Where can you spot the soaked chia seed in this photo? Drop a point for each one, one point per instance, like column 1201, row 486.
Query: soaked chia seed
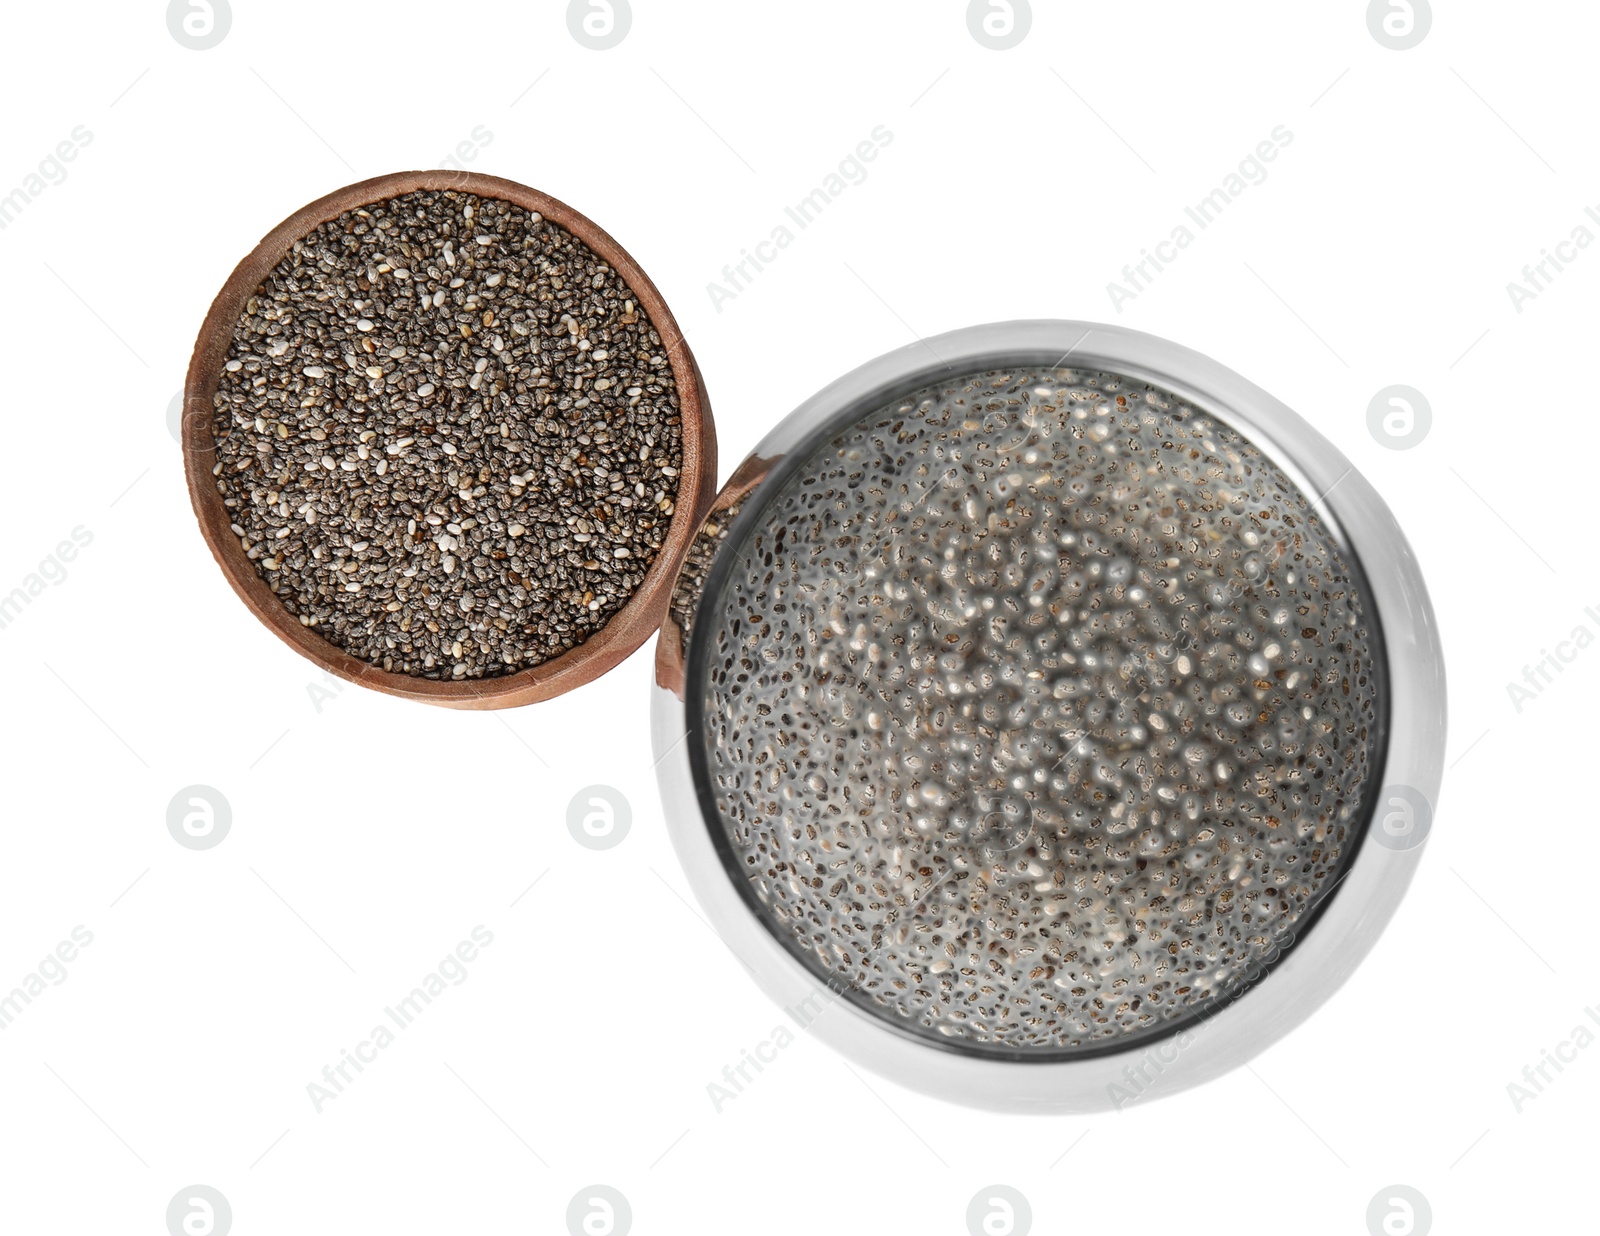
column 1038, row 711
column 448, row 436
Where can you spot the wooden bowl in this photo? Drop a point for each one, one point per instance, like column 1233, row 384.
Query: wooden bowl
column 627, row 629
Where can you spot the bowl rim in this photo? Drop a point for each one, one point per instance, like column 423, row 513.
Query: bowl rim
column 1345, row 926
column 640, row 615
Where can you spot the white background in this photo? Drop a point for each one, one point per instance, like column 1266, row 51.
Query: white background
column 371, row 836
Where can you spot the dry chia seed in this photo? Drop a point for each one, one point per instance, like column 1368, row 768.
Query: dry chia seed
column 448, row 436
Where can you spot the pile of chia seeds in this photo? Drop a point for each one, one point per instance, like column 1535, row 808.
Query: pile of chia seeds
column 448, row 436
